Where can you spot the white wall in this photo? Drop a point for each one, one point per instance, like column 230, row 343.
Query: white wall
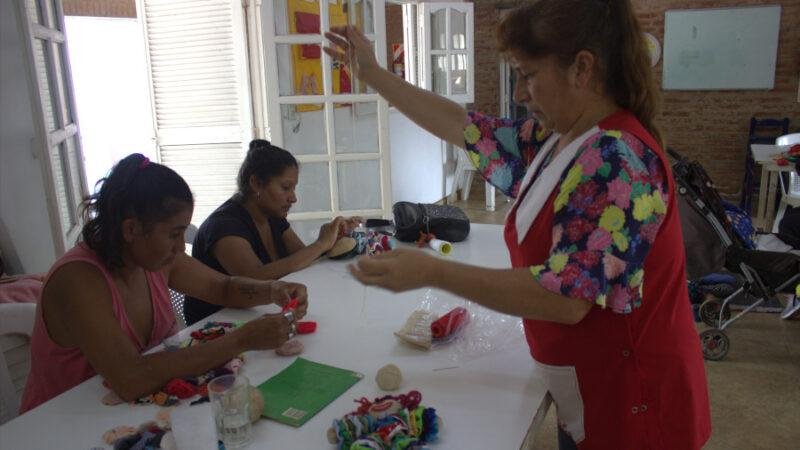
column 422, row 167
column 23, row 208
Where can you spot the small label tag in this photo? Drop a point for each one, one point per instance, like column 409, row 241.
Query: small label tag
column 294, row 413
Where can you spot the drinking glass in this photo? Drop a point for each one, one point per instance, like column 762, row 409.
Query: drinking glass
column 230, row 400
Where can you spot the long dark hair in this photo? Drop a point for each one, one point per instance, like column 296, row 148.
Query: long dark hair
column 265, row 161
column 135, row 188
column 608, row 29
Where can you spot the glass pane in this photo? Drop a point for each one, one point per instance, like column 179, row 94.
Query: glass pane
column 356, row 127
column 304, row 129
column 41, row 55
column 308, row 230
column 299, row 69
column 439, row 74
column 458, row 74
column 62, row 188
column 439, row 30
column 60, row 69
column 313, row 189
column 296, row 17
column 345, row 83
column 75, row 164
column 339, row 13
column 359, row 185
column 458, row 29
column 360, row 13
column 34, row 11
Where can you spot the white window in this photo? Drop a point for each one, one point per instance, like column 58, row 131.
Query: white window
column 196, row 53
column 445, row 58
column 333, row 123
column 58, row 140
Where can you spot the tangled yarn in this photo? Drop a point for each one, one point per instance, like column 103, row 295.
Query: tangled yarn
column 388, row 423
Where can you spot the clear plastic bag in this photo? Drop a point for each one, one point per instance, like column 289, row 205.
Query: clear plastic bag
column 458, row 328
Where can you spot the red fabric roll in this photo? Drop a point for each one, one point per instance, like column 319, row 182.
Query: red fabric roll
column 306, row 327
column 450, row 323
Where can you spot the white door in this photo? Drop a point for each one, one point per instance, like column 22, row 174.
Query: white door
column 447, row 55
column 55, row 115
column 334, row 125
column 197, row 56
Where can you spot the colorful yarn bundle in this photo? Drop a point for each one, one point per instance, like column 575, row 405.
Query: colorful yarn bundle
column 388, row 423
column 184, row 388
column 378, row 242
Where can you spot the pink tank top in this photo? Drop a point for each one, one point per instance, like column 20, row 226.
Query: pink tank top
column 55, row 369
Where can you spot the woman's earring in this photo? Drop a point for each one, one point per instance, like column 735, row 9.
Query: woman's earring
column 258, row 194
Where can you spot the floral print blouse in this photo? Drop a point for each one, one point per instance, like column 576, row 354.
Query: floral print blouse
column 610, row 203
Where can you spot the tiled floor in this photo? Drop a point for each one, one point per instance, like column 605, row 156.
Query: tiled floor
column 755, row 390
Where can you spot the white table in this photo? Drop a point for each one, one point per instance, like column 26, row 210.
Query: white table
column 485, row 402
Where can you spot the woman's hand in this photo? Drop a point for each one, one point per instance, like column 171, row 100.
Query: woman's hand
column 266, row 332
column 329, row 233
column 351, row 47
column 397, row 270
column 282, row 292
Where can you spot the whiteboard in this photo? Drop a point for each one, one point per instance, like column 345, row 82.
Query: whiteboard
column 721, row 48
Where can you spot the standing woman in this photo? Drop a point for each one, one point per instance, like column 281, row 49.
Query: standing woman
column 249, row 235
column 106, row 301
column 594, row 235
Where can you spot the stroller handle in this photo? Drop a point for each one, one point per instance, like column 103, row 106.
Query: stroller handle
column 675, row 154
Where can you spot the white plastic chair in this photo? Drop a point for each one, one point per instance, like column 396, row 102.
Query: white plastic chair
column 463, row 179
column 16, row 327
column 791, row 193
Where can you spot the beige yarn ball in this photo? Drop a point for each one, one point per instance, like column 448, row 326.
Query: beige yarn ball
column 256, row 404
column 389, row 377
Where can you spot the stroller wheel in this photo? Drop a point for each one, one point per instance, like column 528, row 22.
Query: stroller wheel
column 715, row 344
column 710, row 312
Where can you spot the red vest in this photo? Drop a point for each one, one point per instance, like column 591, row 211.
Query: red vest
column 640, row 376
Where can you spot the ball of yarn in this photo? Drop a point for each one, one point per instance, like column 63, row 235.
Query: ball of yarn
column 256, row 404
column 290, row 348
column 389, row 377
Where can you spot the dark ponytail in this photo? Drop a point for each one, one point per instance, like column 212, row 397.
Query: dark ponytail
column 135, row 188
column 264, row 161
column 608, row 29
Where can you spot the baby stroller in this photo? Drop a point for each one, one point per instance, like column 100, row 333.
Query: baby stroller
column 712, row 244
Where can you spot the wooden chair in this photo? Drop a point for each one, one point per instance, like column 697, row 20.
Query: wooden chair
column 16, row 327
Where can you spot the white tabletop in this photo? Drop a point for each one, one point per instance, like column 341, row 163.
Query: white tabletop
column 486, row 399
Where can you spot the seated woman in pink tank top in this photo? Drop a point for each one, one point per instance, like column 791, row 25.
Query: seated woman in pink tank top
column 106, row 301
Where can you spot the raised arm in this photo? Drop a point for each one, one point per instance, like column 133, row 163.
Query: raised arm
column 438, row 115
column 78, row 313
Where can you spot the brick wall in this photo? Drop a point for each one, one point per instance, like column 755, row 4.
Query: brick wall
column 710, row 126
column 100, row 8
column 394, row 29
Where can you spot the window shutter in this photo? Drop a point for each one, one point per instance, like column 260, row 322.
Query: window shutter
column 196, row 51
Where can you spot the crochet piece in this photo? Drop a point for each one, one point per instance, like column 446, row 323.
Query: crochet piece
column 417, row 329
column 388, row 423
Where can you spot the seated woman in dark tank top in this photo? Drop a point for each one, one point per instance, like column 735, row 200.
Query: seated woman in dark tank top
column 249, row 235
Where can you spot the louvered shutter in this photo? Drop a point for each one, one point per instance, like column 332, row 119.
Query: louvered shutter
column 196, row 52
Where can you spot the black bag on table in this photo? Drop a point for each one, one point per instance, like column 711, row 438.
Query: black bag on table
column 447, row 222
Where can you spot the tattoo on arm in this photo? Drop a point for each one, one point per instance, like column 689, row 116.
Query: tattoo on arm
column 248, row 290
